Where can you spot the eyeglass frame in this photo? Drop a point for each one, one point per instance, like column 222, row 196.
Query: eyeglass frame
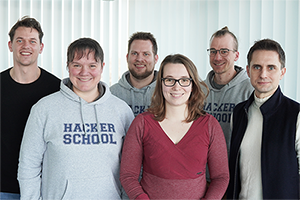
column 222, row 49
column 177, row 80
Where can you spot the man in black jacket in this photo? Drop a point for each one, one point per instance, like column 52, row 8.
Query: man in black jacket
column 265, row 143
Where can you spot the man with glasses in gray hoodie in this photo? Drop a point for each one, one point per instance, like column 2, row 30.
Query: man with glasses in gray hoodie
column 136, row 85
column 228, row 83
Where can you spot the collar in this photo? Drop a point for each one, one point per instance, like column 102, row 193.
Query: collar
column 270, row 105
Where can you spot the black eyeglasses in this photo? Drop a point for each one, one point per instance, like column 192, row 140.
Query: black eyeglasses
column 184, row 82
column 223, row 52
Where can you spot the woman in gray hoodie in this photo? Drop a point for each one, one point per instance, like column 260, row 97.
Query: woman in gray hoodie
column 73, row 138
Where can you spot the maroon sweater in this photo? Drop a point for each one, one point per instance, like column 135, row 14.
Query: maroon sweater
column 174, row 171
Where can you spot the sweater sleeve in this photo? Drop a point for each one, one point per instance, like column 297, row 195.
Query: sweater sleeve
column 131, row 161
column 31, row 156
column 217, row 161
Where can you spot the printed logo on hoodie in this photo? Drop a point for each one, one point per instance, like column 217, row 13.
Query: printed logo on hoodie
column 221, row 112
column 138, row 109
column 76, row 133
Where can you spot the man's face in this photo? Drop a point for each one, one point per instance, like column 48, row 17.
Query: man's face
column 26, row 46
column 221, row 64
column 265, row 72
column 140, row 59
column 85, row 74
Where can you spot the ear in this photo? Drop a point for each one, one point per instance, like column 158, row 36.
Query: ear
column 10, row 46
column 237, row 55
column 41, row 48
column 282, row 71
column 156, row 58
column 127, row 57
column 248, row 71
column 68, row 67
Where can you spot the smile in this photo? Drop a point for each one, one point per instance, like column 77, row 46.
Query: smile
column 176, row 95
column 219, row 64
column 139, row 65
column 84, row 79
column 25, row 53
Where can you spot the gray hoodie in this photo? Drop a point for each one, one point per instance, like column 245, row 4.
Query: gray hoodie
column 221, row 102
column 71, row 148
column 138, row 99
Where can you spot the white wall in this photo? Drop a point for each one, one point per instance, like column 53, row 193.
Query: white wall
column 180, row 26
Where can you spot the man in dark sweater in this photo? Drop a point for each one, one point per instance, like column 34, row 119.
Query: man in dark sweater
column 21, row 86
column 265, row 144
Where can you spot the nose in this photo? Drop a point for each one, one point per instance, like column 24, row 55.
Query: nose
column 263, row 73
column 26, row 43
column 139, row 57
column 176, row 86
column 218, row 56
column 84, row 70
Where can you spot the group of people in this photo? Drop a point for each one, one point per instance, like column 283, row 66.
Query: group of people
column 162, row 134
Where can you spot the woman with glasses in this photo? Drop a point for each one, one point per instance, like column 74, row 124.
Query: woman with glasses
column 175, row 140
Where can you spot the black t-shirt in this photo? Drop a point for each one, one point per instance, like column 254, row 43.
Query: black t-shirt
column 16, row 102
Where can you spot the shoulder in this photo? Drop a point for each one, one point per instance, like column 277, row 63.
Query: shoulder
column 240, row 106
column 117, row 101
column 144, row 117
column 5, row 76
column 120, row 107
column 291, row 103
column 49, row 103
column 141, row 120
column 239, row 110
column 152, row 85
column 5, row 72
column 208, row 78
column 114, row 87
column 211, row 120
column 246, row 83
column 122, row 83
column 209, row 75
column 48, row 82
column 51, row 99
column 47, row 75
column 119, row 88
column 206, row 120
column 209, row 124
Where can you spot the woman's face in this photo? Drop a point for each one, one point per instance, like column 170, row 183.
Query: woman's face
column 85, row 74
column 176, row 95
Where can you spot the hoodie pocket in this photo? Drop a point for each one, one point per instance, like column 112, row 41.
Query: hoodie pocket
column 91, row 188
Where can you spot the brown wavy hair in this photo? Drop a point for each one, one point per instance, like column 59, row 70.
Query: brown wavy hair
column 196, row 99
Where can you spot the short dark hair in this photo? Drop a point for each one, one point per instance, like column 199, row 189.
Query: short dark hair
column 269, row 45
column 29, row 23
column 223, row 32
column 197, row 97
column 143, row 36
column 79, row 48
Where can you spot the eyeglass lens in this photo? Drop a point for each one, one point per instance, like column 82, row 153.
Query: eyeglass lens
column 182, row 82
column 223, row 52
